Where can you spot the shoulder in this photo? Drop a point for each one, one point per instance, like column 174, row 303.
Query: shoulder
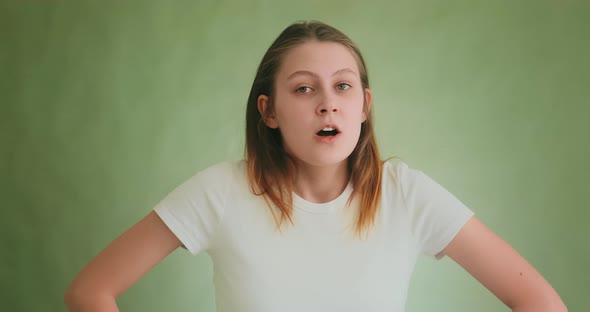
column 195, row 208
column 222, row 171
column 435, row 215
column 397, row 172
column 411, row 181
column 402, row 181
column 414, row 185
column 215, row 178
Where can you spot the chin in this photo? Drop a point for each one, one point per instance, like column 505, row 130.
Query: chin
column 323, row 160
column 321, row 157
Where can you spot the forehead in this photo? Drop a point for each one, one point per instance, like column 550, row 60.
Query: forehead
column 322, row 58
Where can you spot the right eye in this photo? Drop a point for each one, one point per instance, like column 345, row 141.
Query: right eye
column 303, row 90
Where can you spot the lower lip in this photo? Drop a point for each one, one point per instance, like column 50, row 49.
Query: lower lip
column 328, row 138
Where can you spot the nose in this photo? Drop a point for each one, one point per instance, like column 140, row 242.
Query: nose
column 327, row 104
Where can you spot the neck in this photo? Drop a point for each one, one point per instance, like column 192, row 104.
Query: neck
column 320, row 184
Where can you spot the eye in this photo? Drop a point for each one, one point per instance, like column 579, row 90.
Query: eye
column 303, row 90
column 343, row 86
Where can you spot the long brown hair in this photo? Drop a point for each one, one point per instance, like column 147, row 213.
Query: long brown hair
column 269, row 166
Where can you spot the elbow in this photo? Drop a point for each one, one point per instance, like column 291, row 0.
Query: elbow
column 561, row 307
column 77, row 299
column 73, row 298
column 69, row 297
column 540, row 299
column 556, row 305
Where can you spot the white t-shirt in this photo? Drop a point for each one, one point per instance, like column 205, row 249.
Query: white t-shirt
column 317, row 264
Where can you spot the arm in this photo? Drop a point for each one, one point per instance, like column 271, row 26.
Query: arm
column 502, row 270
column 120, row 265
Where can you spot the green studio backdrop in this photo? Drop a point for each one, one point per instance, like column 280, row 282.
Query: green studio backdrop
column 109, row 105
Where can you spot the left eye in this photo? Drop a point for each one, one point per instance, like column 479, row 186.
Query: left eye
column 343, row 86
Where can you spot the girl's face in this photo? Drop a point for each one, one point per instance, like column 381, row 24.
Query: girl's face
column 318, row 103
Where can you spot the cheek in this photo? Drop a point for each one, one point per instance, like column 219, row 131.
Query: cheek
column 356, row 105
column 293, row 114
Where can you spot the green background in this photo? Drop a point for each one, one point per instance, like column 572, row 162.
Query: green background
column 106, row 106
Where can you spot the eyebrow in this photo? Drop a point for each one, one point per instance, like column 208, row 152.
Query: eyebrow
column 308, row 73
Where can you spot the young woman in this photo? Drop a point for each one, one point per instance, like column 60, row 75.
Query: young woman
column 312, row 219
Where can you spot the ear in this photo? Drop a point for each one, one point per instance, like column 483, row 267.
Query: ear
column 269, row 120
column 368, row 101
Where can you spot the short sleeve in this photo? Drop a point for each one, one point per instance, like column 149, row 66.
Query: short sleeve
column 193, row 210
column 436, row 215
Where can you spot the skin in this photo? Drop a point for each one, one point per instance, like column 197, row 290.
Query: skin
column 305, row 102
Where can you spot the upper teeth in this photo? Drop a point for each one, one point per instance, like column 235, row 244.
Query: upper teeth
column 328, row 129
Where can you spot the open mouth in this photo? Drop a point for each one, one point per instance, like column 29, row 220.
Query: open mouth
column 328, row 131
